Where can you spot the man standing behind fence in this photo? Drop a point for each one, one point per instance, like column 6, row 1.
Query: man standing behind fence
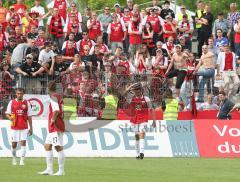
column 19, row 112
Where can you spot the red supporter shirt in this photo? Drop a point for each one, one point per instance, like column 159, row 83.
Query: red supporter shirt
column 22, row 110
column 56, row 104
column 155, row 22
column 116, row 31
column 168, row 27
column 20, row 9
column 228, row 61
column 134, row 38
column 83, row 43
column 95, row 30
column 126, row 20
column 62, row 7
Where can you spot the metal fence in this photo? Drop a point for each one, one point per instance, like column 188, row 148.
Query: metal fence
column 89, row 92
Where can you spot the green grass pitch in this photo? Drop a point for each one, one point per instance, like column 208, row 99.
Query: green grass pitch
column 126, row 170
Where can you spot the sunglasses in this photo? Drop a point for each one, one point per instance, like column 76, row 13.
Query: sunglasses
column 86, row 49
column 107, row 9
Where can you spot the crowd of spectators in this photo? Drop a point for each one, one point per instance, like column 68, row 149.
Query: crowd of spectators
column 89, row 52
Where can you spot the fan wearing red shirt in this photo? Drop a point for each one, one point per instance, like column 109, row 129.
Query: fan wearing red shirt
column 169, row 29
column 20, row 8
column 61, row 5
column 19, row 112
column 126, row 19
column 56, row 130
column 156, row 22
column 135, row 35
column 95, row 27
column 116, row 33
column 139, row 107
column 54, row 28
column 85, row 41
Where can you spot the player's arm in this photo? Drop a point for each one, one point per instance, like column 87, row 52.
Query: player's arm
column 9, row 111
column 30, row 132
column 29, row 119
column 56, row 109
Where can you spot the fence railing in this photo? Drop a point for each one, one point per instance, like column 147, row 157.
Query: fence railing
column 89, row 91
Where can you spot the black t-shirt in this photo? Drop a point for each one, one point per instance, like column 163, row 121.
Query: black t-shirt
column 32, row 35
column 9, row 49
column 30, row 68
column 58, row 68
column 209, row 17
column 224, row 110
column 99, row 61
column 88, row 60
column 166, row 12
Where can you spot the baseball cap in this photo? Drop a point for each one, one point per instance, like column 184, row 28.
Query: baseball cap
column 178, row 45
column 116, row 4
column 29, row 56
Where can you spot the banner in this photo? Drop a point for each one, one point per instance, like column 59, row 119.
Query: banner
column 218, row 138
column 39, row 105
column 115, row 139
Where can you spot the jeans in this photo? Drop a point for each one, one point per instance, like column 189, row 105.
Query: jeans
column 58, row 40
column 186, row 92
column 115, row 45
column 231, row 77
column 206, row 74
column 133, row 49
column 237, row 49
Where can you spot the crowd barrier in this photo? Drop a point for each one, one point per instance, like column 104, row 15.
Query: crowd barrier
column 186, row 138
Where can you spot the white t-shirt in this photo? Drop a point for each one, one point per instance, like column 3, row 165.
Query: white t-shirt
column 45, row 57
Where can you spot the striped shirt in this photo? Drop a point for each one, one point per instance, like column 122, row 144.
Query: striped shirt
column 233, row 17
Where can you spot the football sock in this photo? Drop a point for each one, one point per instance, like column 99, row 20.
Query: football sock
column 61, row 159
column 137, row 147
column 23, row 151
column 141, row 143
column 49, row 160
column 14, row 152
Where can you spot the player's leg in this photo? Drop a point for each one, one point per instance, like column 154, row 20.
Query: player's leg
column 141, row 144
column 49, row 155
column 15, row 139
column 61, row 159
column 14, row 151
column 49, row 160
column 23, row 138
column 58, row 143
column 137, row 146
column 23, row 152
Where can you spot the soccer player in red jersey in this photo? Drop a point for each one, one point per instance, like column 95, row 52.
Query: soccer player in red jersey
column 139, row 106
column 56, row 129
column 19, row 112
